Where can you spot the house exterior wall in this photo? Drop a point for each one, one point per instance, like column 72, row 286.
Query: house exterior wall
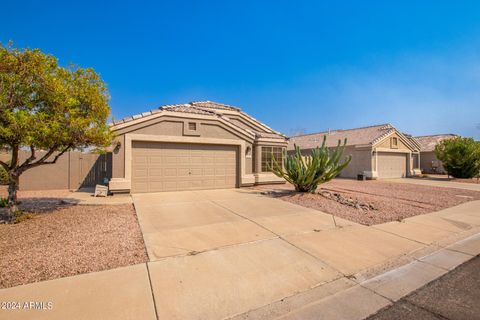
column 428, row 160
column 73, row 170
column 249, row 158
column 173, row 129
column 118, row 157
column 361, row 160
column 165, row 126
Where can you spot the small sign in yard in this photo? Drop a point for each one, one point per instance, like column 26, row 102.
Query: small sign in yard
column 101, row 191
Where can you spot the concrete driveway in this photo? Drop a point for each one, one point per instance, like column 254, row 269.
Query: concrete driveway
column 218, row 253
column 189, row 222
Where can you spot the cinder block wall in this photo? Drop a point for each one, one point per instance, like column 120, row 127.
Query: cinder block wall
column 72, row 171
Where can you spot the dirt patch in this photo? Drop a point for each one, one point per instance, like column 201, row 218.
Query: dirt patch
column 64, row 240
column 388, row 201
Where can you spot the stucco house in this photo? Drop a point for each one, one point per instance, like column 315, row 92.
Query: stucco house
column 379, row 151
column 428, row 160
column 198, row 145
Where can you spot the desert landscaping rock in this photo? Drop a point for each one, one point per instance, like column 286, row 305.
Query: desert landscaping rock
column 391, row 201
column 69, row 240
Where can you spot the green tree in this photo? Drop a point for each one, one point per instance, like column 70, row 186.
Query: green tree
column 460, row 157
column 306, row 173
column 49, row 108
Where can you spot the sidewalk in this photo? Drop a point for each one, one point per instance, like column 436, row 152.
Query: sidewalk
column 344, row 271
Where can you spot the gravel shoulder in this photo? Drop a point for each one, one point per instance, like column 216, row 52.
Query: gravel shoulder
column 390, row 201
column 64, row 240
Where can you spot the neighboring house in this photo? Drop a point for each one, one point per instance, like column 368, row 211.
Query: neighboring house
column 199, row 145
column 379, row 151
column 428, row 160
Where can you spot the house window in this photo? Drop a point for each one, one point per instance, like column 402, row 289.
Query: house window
column 268, row 153
column 192, row 126
column 394, row 143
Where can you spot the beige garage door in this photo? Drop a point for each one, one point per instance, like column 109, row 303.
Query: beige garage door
column 171, row 167
column 392, row 165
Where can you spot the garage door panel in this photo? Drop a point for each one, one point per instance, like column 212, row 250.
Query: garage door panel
column 155, row 172
column 209, row 171
column 196, row 160
column 208, row 160
column 140, row 186
column 183, row 173
column 174, row 160
column 230, row 172
column 196, row 172
column 155, row 160
column 167, row 186
column 392, row 165
column 170, row 167
column 141, row 173
column 140, row 159
column 156, row 184
column 219, row 171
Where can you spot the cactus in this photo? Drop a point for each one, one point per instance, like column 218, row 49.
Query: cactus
column 306, row 173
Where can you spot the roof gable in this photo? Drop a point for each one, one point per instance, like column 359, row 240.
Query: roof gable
column 406, row 140
column 204, row 108
column 230, row 111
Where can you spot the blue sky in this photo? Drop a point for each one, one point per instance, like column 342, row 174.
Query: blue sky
column 296, row 65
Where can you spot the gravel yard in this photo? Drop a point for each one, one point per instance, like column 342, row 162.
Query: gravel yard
column 441, row 177
column 390, row 201
column 64, row 239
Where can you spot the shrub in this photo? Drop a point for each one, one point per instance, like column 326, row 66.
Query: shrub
column 3, row 176
column 460, row 157
column 306, row 173
column 21, row 216
column 3, row 202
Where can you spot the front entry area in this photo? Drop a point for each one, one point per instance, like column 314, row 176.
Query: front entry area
column 158, row 166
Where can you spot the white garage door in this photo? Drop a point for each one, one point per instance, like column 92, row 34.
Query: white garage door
column 176, row 166
column 392, row 165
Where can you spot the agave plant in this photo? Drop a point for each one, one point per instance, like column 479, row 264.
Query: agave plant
column 307, row 172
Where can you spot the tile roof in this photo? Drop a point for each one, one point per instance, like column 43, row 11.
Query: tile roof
column 356, row 136
column 213, row 105
column 186, row 108
column 268, row 135
column 428, row 143
column 209, row 108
